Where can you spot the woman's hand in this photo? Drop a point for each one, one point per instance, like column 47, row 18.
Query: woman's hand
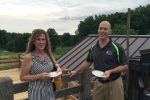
column 44, row 76
column 58, row 68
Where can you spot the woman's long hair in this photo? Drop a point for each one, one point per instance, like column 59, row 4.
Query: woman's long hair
column 35, row 34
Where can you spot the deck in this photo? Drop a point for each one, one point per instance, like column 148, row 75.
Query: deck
column 14, row 75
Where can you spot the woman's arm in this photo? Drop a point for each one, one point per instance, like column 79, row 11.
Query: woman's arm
column 25, row 68
column 55, row 63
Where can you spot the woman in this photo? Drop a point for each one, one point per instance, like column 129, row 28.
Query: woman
column 38, row 62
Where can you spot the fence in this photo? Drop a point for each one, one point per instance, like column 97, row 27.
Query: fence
column 8, row 89
column 8, row 62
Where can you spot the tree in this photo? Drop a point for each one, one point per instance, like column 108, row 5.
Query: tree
column 66, row 39
column 21, row 42
column 53, row 38
column 3, row 39
column 122, row 30
column 140, row 19
column 75, row 39
column 140, row 22
column 86, row 27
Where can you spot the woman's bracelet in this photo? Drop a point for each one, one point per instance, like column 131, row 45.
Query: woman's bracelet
column 31, row 78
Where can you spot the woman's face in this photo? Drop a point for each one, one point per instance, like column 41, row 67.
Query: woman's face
column 40, row 42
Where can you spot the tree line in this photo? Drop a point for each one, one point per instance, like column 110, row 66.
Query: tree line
column 140, row 25
column 17, row 42
column 140, row 22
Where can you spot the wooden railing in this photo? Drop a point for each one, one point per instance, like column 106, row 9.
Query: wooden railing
column 8, row 62
column 8, row 89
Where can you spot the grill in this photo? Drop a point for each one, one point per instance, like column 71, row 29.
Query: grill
column 139, row 73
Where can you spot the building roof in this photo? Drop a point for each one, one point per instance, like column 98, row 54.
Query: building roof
column 76, row 55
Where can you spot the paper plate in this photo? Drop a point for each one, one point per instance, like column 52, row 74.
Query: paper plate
column 54, row 74
column 98, row 73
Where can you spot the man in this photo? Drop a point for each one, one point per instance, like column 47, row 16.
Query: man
column 109, row 60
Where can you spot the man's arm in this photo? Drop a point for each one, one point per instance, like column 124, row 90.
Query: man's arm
column 119, row 69
column 82, row 67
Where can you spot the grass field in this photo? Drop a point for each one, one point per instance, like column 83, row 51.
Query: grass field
column 59, row 52
column 5, row 53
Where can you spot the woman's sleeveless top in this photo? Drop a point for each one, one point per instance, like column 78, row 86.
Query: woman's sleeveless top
column 41, row 89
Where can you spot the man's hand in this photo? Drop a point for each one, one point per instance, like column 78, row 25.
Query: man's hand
column 107, row 74
column 73, row 73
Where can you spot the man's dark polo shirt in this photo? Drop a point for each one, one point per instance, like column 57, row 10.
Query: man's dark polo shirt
column 106, row 58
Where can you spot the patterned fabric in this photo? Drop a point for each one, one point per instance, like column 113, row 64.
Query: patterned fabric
column 41, row 89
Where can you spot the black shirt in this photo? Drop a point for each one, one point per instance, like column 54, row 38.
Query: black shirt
column 106, row 58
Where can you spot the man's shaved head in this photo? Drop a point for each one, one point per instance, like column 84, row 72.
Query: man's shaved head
column 106, row 23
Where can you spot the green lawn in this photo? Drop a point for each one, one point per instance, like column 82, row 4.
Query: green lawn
column 4, row 53
column 59, row 52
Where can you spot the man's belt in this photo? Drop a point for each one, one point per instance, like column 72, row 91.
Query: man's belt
column 108, row 80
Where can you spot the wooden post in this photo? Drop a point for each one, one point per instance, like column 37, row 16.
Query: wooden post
column 86, row 87
column 6, row 88
column 127, row 51
column 128, row 32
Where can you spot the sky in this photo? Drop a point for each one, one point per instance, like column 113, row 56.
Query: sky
column 62, row 15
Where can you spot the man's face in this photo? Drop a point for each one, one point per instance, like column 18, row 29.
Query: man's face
column 104, row 30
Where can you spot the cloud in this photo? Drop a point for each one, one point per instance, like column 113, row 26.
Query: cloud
column 73, row 18
column 62, row 15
